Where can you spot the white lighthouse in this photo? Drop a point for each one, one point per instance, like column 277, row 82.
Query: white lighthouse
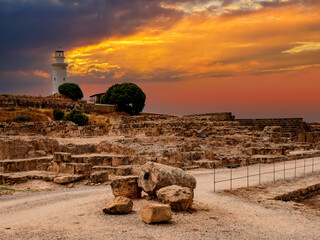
column 59, row 71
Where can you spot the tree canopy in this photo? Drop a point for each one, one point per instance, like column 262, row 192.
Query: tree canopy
column 71, row 90
column 127, row 96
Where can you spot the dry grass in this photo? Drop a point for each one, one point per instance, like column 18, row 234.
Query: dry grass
column 36, row 115
column 99, row 120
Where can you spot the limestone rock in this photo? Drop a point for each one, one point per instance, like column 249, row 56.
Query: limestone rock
column 202, row 133
column 99, row 177
column 179, row 198
column 156, row 213
column 154, row 176
column 126, row 187
column 62, row 157
column 154, row 132
column 121, row 205
column 66, row 179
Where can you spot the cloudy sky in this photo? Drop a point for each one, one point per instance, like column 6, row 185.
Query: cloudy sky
column 255, row 58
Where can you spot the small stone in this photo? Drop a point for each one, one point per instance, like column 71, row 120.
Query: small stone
column 156, row 213
column 121, row 205
column 202, row 133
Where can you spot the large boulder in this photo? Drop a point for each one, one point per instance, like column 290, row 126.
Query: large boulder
column 179, row 198
column 126, row 187
column 154, row 176
column 156, row 213
column 121, row 205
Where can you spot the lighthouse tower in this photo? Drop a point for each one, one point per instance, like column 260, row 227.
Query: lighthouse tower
column 59, row 71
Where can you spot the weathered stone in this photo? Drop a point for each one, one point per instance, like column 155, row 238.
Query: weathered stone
column 154, row 176
column 38, row 153
column 120, row 160
column 154, row 132
column 156, row 213
column 98, row 177
column 126, row 187
column 62, row 157
column 179, row 198
column 121, row 205
column 202, row 133
column 66, row 179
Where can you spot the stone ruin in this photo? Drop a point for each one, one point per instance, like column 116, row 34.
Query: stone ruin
column 171, row 186
column 63, row 152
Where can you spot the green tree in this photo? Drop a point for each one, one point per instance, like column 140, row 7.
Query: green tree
column 127, row 96
column 71, row 90
column 57, row 114
column 77, row 117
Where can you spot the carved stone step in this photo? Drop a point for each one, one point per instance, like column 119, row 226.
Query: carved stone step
column 123, row 170
column 29, row 164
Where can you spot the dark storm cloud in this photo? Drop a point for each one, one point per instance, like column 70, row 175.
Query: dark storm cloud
column 31, row 30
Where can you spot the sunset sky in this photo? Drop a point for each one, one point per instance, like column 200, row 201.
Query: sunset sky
column 255, row 58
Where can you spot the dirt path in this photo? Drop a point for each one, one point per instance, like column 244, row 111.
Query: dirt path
column 76, row 214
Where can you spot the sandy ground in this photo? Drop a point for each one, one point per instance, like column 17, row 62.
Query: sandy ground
column 76, row 213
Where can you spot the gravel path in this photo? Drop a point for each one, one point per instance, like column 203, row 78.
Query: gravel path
column 77, row 214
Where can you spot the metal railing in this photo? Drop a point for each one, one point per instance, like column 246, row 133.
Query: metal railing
column 256, row 169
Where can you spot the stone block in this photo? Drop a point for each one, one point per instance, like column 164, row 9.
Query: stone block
column 121, row 205
column 62, row 157
column 179, row 198
column 99, row 177
column 126, row 187
column 156, row 213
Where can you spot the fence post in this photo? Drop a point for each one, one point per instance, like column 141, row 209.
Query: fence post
column 214, row 177
column 259, row 172
column 231, row 177
column 247, row 174
column 274, row 169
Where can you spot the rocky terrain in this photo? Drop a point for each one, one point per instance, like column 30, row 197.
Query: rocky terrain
column 145, row 160
column 33, row 150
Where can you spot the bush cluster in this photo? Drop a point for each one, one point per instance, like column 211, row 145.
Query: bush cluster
column 77, row 117
column 71, row 90
column 23, row 118
column 127, row 96
column 58, row 114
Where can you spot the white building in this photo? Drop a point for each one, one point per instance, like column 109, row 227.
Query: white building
column 59, row 71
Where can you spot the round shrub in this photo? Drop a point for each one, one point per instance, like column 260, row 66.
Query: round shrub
column 77, row 117
column 127, row 96
column 57, row 114
column 23, row 118
column 71, row 90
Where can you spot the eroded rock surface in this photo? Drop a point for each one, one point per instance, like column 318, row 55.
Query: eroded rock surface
column 154, row 176
column 179, row 198
column 99, row 177
column 126, row 187
column 156, row 213
column 121, row 205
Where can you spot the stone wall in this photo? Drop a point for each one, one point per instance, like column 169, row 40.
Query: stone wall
column 300, row 194
column 10, row 101
column 225, row 116
column 287, row 124
column 50, row 128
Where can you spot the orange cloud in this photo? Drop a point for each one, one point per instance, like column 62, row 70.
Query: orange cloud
column 204, row 45
column 41, row 74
